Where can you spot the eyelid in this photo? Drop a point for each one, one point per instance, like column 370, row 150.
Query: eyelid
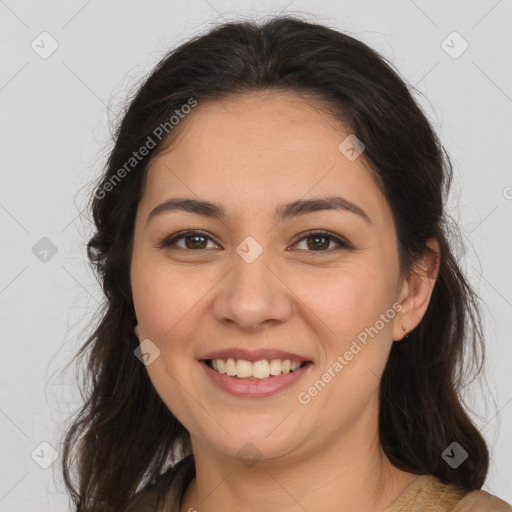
column 341, row 242
column 167, row 242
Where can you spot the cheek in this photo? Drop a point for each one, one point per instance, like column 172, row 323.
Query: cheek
column 153, row 303
column 356, row 343
column 164, row 299
column 356, row 339
column 164, row 304
column 347, row 300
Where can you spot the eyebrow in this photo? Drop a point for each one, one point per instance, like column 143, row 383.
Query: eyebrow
column 282, row 212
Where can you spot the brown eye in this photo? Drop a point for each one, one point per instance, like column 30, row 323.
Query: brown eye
column 194, row 240
column 319, row 241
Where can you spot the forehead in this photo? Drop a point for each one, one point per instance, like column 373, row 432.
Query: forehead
column 261, row 148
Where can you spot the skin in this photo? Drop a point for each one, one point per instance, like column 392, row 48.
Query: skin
column 250, row 153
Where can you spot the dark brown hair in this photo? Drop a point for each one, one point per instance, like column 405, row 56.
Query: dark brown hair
column 124, row 435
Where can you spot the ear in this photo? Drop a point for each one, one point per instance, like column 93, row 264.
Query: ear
column 136, row 330
column 416, row 291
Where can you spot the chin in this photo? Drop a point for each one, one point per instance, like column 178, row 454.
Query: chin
column 253, row 440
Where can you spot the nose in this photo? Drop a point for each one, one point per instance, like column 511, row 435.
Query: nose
column 253, row 294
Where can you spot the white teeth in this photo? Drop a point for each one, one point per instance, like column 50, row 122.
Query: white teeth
column 262, row 369
column 275, row 367
column 295, row 366
column 230, row 367
column 243, row 368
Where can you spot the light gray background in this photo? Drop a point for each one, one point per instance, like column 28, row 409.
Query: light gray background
column 55, row 138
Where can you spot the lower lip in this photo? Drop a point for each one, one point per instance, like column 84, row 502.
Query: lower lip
column 254, row 388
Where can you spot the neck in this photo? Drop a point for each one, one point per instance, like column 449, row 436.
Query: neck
column 351, row 473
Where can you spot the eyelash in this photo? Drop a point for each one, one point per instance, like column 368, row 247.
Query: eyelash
column 168, row 242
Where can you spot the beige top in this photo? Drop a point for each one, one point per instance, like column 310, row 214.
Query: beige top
column 425, row 494
column 428, row 494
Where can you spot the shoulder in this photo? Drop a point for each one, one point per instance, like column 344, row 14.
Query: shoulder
column 429, row 494
column 169, row 486
column 482, row 501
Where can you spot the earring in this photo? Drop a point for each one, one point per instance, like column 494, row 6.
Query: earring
column 404, row 328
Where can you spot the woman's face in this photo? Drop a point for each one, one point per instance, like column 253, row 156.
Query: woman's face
column 255, row 282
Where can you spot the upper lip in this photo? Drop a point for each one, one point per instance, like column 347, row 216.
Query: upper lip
column 254, row 355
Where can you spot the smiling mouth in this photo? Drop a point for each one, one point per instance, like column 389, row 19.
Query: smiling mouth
column 257, row 370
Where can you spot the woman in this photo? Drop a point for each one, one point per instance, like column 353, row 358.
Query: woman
column 285, row 319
